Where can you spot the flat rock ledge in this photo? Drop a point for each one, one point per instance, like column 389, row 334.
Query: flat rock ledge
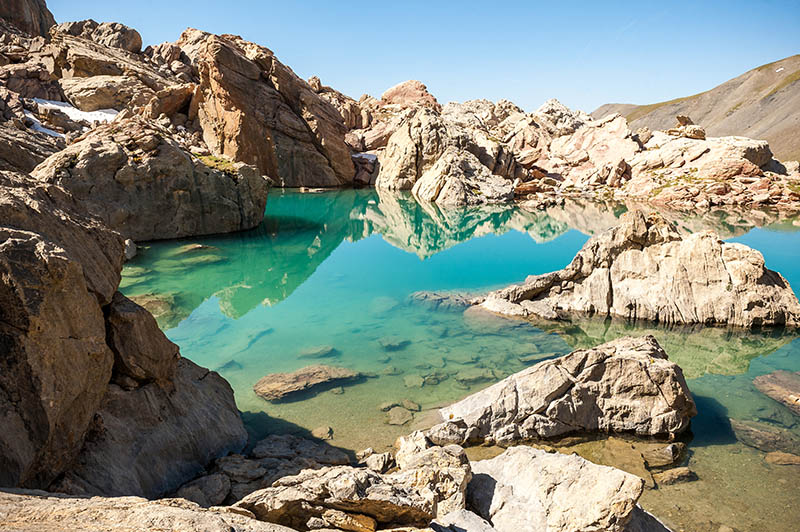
column 644, row 269
column 626, row 385
column 278, row 385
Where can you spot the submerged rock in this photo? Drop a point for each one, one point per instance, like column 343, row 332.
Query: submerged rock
column 782, row 386
column 279, row 385
column 765, row 437
column 675, row 476
column 529, row 489
column 643, row 269
column 626, row 385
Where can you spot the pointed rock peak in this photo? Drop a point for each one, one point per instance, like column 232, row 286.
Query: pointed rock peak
column 409, row 94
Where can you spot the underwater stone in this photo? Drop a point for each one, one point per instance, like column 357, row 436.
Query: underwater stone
column 278, row 385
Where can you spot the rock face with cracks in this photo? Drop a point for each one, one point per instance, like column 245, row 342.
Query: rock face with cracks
column 644, row 269
column 626, row 385
column 529, row 489
column 137, row 179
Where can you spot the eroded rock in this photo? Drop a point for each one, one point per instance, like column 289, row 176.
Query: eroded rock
column 278, row 385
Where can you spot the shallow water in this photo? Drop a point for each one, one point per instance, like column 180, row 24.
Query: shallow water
column 338, row 268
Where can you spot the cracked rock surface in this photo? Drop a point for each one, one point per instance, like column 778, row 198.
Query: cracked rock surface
column 626, row 385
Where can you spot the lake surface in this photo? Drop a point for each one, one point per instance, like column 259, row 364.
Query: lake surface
column 337, row 269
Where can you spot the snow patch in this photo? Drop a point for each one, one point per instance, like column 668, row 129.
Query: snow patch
column 101, row 115
column 780, row 69
column 37, row 126
column 368, row 156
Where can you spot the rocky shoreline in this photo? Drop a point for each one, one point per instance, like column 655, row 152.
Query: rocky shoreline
column 107, row 426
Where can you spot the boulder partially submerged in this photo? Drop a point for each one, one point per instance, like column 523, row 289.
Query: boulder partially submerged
column 644, row 269
column 626, row 385
column 278, row 385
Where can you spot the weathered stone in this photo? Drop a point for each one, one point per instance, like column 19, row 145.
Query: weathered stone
column 698, row 279
column 278, row 385
column 410, row 93
column 529, row 489
column 292, row 501
column 765, row 437
column 782, row 386
column 664, row 456
column 208, row 490
column 461, row 521
column 106, row 92
column 37, row 511
column 379, row 462
column 286, row 446
column 136, row 178
column 30, row 16
column 674, row 476
column 459, row 178
column 22, row 149
column 781, row 458
column 626, row 385
column 110, row 34
column 149, row 441
column 254, row 109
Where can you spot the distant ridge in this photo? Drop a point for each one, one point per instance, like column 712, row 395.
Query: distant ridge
column 763, row 103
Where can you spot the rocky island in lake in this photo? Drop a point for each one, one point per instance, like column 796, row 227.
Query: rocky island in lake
column 233, row 299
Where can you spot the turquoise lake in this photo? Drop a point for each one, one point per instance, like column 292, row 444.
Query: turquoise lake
column 337, row 269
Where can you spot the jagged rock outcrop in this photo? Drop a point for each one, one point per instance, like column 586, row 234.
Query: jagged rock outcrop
column 58, row 270
column 353, row 115
column 91, row 391
column 644, row 269
column 36, row 511
column 459, row 178
column 22, row 149
column 410, row 93
column 111, row 34
column 626, row 385
column 30, row 16
column 254, row 109
column 529, row 489
column 138, row 180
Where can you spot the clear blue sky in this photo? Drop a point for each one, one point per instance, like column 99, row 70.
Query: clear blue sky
column 583, row 53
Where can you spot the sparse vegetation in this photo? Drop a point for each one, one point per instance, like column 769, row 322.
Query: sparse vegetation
column 218, row 163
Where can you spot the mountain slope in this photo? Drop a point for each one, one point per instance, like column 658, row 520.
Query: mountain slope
column 763, row 103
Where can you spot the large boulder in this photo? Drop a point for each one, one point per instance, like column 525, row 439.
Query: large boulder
column 111, row 34
column 336, row 496
column 644, row 269
column 22, row 149
column 58, row 270
column 254, row 109
column 30, row 16
column 36, row 511
column 626, row 385
column 149, row 440
column 410, row 93
column 106, row 92
column 459, row 178
column 532, row 490
column 138, row 180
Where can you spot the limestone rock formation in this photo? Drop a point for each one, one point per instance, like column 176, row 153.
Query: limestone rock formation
column 278, row 385
column 91, row 392
column 136, row 178
column 459, row 178
column 410, row 93
column 626, row 385
column 529, row 489
column 37, row 511
column 111, row 34
column 353, row 115
column 254, row 109
column 347, row 493
column 695, row 279
column 106, row 92
column 22, row 149
column 30, row 16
